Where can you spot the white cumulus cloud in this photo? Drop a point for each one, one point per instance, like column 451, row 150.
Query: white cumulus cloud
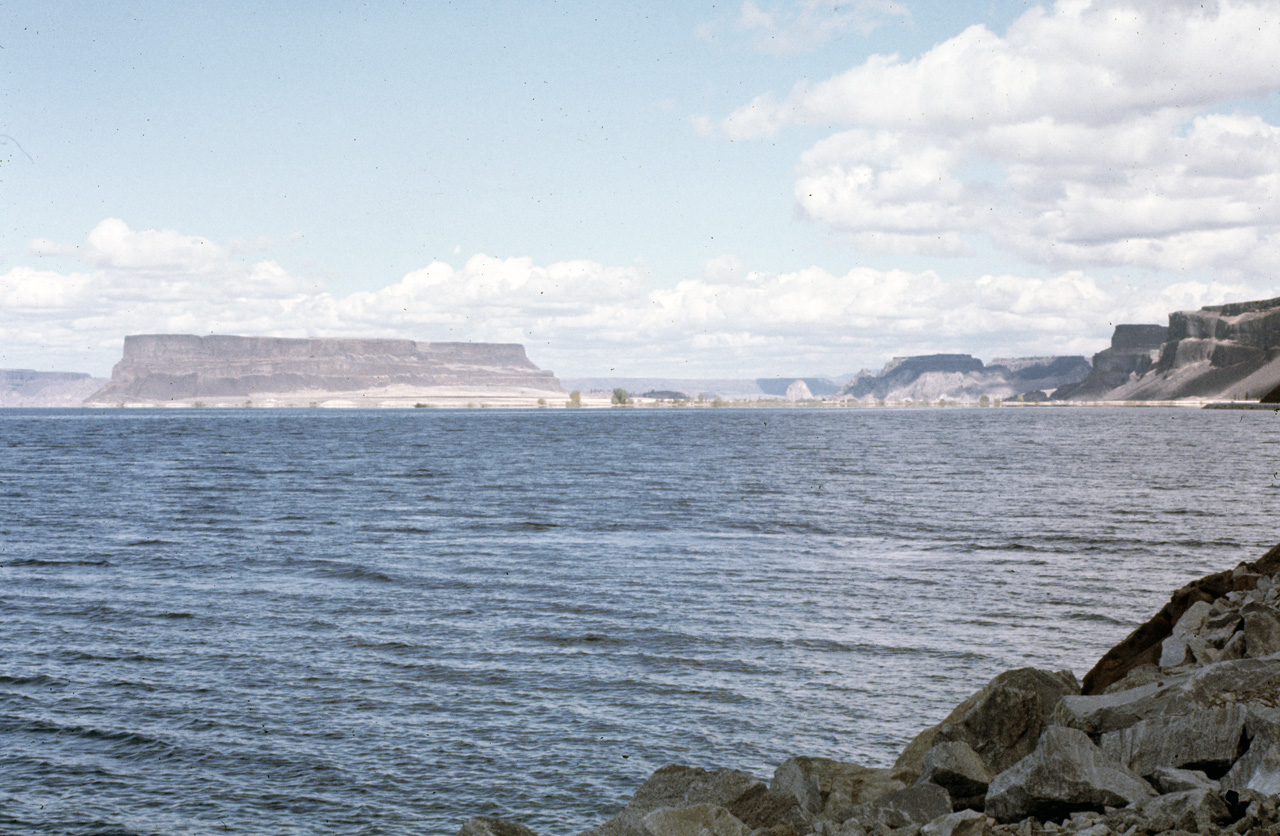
column 581, row 317
column 1089, row 134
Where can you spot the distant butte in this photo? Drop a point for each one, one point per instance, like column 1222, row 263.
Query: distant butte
column 184, row 369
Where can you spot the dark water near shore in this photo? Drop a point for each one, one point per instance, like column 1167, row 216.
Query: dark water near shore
column 297, row 622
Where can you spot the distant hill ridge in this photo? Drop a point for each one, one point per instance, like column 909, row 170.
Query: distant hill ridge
column 962, row 377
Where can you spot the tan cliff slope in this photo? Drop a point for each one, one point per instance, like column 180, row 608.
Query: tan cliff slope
column 183, row 368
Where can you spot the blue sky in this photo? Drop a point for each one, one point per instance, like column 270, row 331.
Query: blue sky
column 690, row 189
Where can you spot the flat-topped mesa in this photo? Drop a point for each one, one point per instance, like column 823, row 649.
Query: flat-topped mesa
column 178, row 367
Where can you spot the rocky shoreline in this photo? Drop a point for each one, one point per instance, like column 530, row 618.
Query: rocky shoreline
column 1175, row 730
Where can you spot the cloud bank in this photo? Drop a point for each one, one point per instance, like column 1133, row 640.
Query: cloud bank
column 575, row 317
column 1089, row 134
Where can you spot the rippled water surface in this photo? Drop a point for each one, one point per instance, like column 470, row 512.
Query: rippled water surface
column 298, row 622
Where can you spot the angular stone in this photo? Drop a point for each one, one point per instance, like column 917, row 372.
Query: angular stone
column 761, row 807
column 813, row 781
column 1187, row 810
column 955, row 767
column 1261, row 630
column 1142, row 646
column 1176, row 649
column 487, row 826
column 1167, row 779
column 676, row 786
column 1234, row 648
column 963, row 823
column 1209, row 740
column 1219, row 629
column 912, row 756
column 1006, row 718
column 1222, row 683
column 697, row 820
column 1066, row 772
column 1258, row 770
column 1141, row 675
column 918, row 805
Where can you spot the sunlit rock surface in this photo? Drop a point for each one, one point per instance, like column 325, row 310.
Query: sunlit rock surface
column 961, row 377
column 229, row 370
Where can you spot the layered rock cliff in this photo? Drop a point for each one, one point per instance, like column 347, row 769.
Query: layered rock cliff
column 159, row 368
column 1218, row 352
column 961, row 377
column 1133, row 352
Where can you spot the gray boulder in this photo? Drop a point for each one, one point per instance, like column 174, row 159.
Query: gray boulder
column 1166, row 779
column 1191, row 810
column 1222, row 683
column 1003, row 721
column 963, row 823
column 1209, row 740
column 487, row 826
column 1257, row 770
column 1066, row 772
column 676, row 786
column 955, row 767
column 697, row 820
column 1175, row 650
column 1261, row 630
column 915, row 805
column 761, row 807
column 822, row 783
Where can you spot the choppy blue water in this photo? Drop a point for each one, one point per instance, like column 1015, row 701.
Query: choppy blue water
column 298, row 622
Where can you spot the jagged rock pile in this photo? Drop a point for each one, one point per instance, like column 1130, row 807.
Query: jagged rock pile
column 1176, row 730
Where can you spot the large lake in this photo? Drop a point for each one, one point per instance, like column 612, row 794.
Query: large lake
column 301, row 622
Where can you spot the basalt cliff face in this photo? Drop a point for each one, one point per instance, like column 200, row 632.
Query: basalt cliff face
column 166, row 368
column 1223, row 352
column 1133, row 352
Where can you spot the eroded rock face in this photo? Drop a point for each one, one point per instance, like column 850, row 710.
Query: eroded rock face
column 829, row 788
column 696, row 820
column 172, row 367
column 1004, row 720
column 1133, row 352
column 1145, row 645
column 959, row 770
column 1066, row 773
column 677, row 787
column 1218, row 352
